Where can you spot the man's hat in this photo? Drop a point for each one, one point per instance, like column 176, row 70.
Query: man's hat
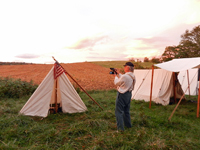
column 129, row 64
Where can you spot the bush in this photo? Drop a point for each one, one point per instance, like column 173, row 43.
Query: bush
column 138, row 66
column 15, row 88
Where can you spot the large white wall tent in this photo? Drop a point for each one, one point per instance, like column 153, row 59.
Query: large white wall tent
column 178, row 65
column 162, row 89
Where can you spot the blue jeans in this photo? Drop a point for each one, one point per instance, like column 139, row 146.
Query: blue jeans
column 122, row 110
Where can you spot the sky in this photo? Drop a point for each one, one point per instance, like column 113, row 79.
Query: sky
column 33, row 31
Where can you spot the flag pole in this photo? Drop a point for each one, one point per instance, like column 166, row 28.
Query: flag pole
column 56, row 100
column 77, row 83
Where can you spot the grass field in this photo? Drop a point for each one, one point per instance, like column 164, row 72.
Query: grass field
column 96, row 128
column 119, row 64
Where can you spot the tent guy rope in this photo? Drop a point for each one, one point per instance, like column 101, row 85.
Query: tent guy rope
column 141, row 84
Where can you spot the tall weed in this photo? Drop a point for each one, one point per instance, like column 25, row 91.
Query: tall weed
column 15, row 88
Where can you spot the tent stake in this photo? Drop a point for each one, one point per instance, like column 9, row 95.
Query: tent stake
column 151, row 86
column 77, row 83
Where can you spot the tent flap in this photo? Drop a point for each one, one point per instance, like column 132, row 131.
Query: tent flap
column 193, row 81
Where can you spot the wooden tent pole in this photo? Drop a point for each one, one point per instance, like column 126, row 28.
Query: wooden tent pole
column 56, row 101
column 174, row 86
column 198, row 101
column 77, row 83
column 188, row 82
column 151, row 86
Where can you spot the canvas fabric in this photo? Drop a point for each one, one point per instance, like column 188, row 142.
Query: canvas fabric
column 162, row 86
column 183, row 79
column 181, row 64
column 39, row 103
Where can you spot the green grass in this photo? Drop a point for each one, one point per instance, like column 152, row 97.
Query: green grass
column 96, row 129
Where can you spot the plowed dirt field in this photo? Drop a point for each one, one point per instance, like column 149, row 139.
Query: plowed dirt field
column 90, row 76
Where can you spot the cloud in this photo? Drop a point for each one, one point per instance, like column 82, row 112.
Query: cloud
column 147, row 47
column 175, row 32
column 104, row 58
column 155, row 46
column 148, row 43
column 101, row 58
column 27, row 56
column 112, row 50
column 153, row 42
column 89, row 42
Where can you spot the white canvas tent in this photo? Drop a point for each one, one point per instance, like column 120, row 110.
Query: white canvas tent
column 53, row 92
column 189, row 77
column 181, row 64
column 162, row 89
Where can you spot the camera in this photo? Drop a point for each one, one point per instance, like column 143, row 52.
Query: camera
column 113, row 71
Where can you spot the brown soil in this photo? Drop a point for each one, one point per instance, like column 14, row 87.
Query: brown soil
column 90, row 76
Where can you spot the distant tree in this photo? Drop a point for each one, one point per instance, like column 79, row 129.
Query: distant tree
column 131, row 59
column 190, row 43
column 155, row 60
column 170, row 53
column 189, row 46
column 138, row 65
column 146, row 59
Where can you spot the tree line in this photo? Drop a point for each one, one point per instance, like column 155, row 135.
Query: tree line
column 14, row 63
column 188, row 47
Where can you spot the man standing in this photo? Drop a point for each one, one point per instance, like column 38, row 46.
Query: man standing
column 125, row 84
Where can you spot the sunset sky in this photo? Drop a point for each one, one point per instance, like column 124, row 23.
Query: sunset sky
column 92, row 30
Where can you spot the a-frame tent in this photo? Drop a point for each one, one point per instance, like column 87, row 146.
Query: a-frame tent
column 162, row 87
column 181, row 64
column 55, row 92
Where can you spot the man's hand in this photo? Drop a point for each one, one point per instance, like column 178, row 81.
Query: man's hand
column 117, row 73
